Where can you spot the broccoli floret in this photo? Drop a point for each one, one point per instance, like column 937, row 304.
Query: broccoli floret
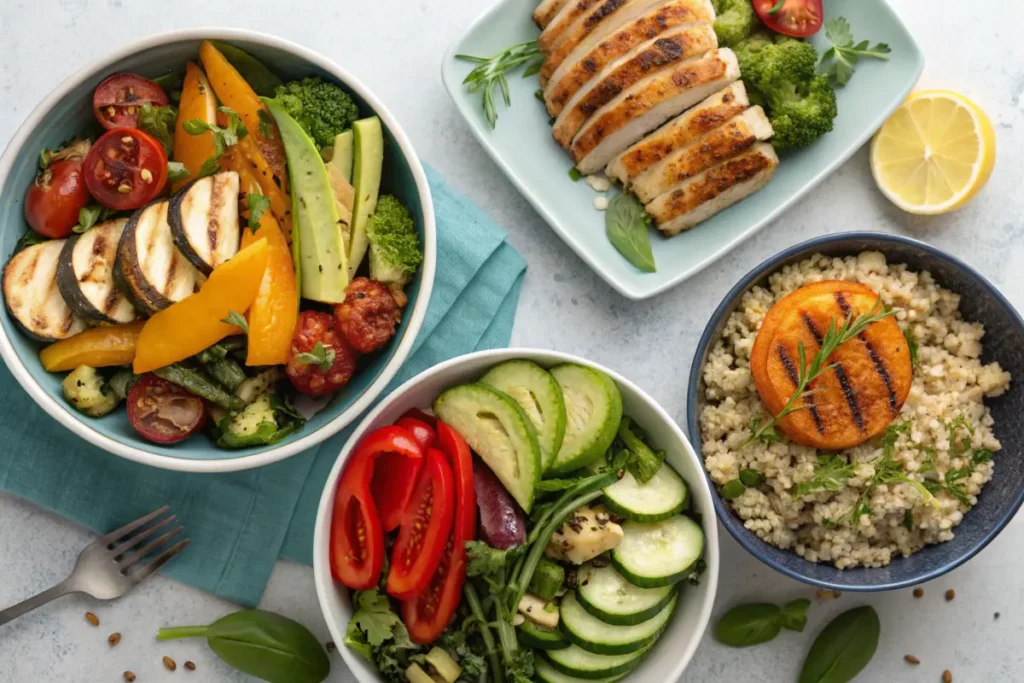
column 321, row 108
column 799, row 113
column 765, row 60
column 734, row 21
column 394, row 245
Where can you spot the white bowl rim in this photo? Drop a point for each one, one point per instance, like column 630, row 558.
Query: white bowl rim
column 64, row 416
column 321, row 534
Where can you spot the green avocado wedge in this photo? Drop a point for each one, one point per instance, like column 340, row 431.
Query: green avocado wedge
column 494, row 426
column 593, row 409
column 540, row 397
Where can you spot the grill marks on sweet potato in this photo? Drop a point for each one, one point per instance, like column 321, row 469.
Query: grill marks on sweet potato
column 869, row 377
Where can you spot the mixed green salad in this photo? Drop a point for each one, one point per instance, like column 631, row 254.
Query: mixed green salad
column 525, row 530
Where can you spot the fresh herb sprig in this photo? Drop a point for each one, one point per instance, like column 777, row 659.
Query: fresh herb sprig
column 257, row 205
column 961, row 438
column 889, row 471
column 830, row 474
column 321, row 356
column 839, row 61
column 223, row 138
column 833, row 339
column 490, row 73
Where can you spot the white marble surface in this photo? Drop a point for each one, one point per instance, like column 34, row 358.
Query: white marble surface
column 396, row 46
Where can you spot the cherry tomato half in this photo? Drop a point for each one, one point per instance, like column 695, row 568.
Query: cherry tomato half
column 53, row 201
column 125, row 168
column 116, row 101
column 163, row 412
column 797, row 18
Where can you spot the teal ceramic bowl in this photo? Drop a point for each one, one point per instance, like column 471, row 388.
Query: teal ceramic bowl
column 68, row 112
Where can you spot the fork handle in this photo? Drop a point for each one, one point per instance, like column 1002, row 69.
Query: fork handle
column 48, row 595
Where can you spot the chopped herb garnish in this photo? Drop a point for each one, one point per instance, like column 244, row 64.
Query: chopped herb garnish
column 238, row 320
column 574, row 174
column 911, row 346
column 320, row 356
column 258, row 205
column 222, row 137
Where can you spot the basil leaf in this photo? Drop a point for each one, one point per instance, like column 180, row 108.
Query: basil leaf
column 746, row 625
column 794, row 615
column 626, row 227
column 30, row 238
column 89, row 216
column 843, row 648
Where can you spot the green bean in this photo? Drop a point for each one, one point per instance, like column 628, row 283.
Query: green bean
column 199, row 384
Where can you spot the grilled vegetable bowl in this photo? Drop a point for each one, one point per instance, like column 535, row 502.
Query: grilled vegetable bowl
column 504, row 488
column 219, row 249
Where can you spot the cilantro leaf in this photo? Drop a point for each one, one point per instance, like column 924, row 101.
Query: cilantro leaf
column 223, row 138
column 839, row 61
column 321, row 356
column 159, row 122
column 374, row 616
column 258, row 205
column 176, row 171
column 830, row 474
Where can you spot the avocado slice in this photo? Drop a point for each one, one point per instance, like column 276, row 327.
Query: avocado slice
column 540, row 397
column 368, row 162
column 320, row 262
column 341, row 154
column 593, row 409
column 499, row 431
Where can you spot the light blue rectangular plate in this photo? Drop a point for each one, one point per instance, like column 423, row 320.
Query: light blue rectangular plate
column 524, row 149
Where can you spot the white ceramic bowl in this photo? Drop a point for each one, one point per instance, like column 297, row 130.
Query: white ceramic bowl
column 67, row 111
column 673, row 651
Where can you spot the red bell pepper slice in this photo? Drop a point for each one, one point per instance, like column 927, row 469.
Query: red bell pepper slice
column 357, row 535
column 394, row 478
column 426, row 525
column 427, row 615
column 420, row 430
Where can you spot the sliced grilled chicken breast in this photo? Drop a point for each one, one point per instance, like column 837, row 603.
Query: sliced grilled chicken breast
column 546, row 11
column 566, row 17
column 149, row 268
column 32, row 296
column 695, row 122
column 702, row 196
column 648, row 104
column 659, row 53
column 203, row 217
column 641, row 20
column 604, row 17
column 85, row 275
column 709, row 150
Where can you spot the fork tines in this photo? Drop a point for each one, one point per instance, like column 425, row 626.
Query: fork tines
column 136, row 541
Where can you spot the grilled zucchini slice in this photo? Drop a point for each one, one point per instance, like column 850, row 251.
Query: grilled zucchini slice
column 85, row 275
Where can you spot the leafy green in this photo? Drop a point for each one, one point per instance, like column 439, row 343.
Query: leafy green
column 30, row 238
column 88, row 216
column 238, row 320
column 843, row 648
column 794, row 614
column 830, row 474
column 395, row 252
column 626, row 226
column 176, row 171
column 733, row 489
column 911, row 347
column 756, row 623
column 266, row 124
column 320, row 356
column 257, row 205
column 841, row 59
column 222, row 137
column 374, row 616
column 262, row 80
column 643, row 463
column 490, row 73
column 549, row 485
column 159, row 122
column 889, row 471
column 961, row 436
column 751, row 477
column 322, row 108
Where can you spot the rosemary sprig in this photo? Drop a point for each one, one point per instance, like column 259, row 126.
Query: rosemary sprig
column 490, row 72
column 833, row 339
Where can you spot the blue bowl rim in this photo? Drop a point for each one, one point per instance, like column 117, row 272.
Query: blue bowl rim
column 73, row 422
column 750, row 542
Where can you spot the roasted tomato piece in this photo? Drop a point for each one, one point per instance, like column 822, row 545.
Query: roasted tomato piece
column 369, row 314
column 125, row 168
column 426, row 525
column 320, row 360
column 53, row 201
column 163, row 412
column 798, row 18
column 116, row 101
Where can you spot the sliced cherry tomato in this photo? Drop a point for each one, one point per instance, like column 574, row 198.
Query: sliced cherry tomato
column 420, row 430
column 797, row 18
column 427, row 615
column 426, row 525
column 163, row 412
column 53, row 201
column 116, row 101
column 394, row 477
column 125, row 168
column 357, row 537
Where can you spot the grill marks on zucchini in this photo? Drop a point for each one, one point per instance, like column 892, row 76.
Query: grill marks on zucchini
column 203, row 217
column 32, row 296
column 85, row 275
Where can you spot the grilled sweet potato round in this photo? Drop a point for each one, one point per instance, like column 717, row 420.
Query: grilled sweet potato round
column 858, row 397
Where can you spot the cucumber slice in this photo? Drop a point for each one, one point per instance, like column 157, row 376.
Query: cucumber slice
column 593, row 410
column 540, row 397
column 594, row 635
column 656, row 554
column 549, row 674
column 539, row 637
column 664, row 496
column 575, row 661
column 499, row 431
column 614, row 600
column 367, row 165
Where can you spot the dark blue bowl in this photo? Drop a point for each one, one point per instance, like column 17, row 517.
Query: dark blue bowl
column 980, row 302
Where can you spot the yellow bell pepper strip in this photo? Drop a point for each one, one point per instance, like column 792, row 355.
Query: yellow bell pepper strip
column 247, row 154
column 197, row 102
column 196, row 322
column 233, row 91
column 98, row 347
column 275, row 310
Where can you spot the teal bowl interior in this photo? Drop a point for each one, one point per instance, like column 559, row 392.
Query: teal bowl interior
column 72, row 116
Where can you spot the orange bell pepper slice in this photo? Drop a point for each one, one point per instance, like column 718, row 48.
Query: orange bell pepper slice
column 246, row 160
column 197, row 102
column 98, row 347
column 196, row 322
column 275, row 311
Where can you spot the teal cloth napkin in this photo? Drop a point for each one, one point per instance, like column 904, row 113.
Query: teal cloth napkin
column 240, row 523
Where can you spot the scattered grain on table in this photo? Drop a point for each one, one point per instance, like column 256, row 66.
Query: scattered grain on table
column 113, row 639
column 950, row 594
column 918, row 592
column 92, row 618
column 169, row 663
column 911, row 659
column 191, row 666
column 947, row 676
column 129, row 676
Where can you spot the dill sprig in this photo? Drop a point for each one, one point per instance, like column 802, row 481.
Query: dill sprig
column 490, row 72
column 833, row 339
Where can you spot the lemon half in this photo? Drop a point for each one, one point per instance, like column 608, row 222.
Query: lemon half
column 934, row 153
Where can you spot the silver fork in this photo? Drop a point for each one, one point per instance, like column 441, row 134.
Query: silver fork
column 113, row 564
